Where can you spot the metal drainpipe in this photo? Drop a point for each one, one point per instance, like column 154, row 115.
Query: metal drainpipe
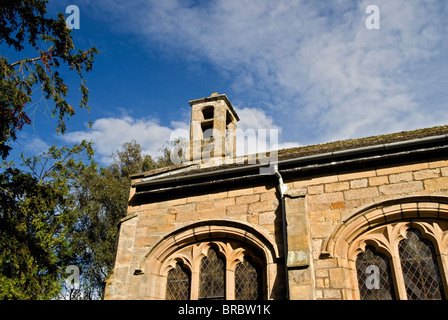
column 282, row 189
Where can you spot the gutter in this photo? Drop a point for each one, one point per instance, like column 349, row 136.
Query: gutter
column 297, row 161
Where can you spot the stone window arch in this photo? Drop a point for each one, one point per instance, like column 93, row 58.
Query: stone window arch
column 413, row 249
column 407, row 236
column 216, row 270
column 233, row 243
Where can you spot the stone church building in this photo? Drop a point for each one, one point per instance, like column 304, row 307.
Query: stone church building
column 356, row 219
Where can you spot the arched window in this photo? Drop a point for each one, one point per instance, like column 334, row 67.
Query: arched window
column 178, row 284
column 248, row 281
column 374, row 275
column 412, row 233
column 420, row 271
column 212, row 277
column 216, row 271
column 410, row 270
column 229, row 241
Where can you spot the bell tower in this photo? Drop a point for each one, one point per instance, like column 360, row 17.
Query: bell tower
column 212, row 129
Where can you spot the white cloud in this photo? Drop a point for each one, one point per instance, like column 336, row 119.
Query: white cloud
column 258, row 133
column 108, row 134
column 323, row 74
column 30, row 144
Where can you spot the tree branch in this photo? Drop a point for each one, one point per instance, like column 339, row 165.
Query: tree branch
column 27, row 60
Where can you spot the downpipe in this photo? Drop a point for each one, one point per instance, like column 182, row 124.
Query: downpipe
column 282, row 188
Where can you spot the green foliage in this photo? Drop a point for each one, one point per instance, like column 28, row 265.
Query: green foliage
column 36, row 209
column 36, row 204
column 24, row 22
column 60, row 209
column 102, row 200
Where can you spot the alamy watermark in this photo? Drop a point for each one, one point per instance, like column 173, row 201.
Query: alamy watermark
column 373, row 278
column 373, row 20
column 73, row 20
column 72, row 281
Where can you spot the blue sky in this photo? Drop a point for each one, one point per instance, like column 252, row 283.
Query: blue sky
column 310, row 69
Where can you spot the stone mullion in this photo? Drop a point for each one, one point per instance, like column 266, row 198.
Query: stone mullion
column 198, row 252
column 233, row 257
column 395, row 234
column 194, row 293
column 399, row 285
column 442, row 258
column 230, row 284
column 444, row 273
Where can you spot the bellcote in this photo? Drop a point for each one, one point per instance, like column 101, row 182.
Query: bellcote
column 212, row 129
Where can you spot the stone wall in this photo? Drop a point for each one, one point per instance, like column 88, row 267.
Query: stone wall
column 146, row 224
column 326, row 202
column 333, row 199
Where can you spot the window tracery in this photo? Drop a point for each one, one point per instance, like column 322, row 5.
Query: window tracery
column 247, row 281
column 415, row 253
column 420, row 268
column 178, row 283
column 216, row 270
column 212, row 276
column 374, row 275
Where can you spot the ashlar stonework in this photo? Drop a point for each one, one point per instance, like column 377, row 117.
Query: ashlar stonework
column 300, row 231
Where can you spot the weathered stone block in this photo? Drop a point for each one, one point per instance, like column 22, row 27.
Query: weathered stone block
column 220, row 203
column 337, row 186
column 402, row 168
column 298, row 258
column 240, row 192
column 359, row 183
column 237, row 210
column 263, row 206
column 405, row 187
column 427, row 174
column 338, row 278
column 370, row 192
column 437, row 184
column 378, row 181
column 401, row 177
column 203, row 205
column 247, row 199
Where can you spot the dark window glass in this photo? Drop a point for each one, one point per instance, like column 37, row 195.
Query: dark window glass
column 178, row 284
column 374, row 275
column 420, row 271
column 211, row 277
column 247, row 281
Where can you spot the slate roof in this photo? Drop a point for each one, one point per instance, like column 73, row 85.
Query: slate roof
column 298, row 152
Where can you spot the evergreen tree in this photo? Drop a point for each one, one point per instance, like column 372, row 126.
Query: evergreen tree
column 23, row 25
column 36, row 205
column 102, row 199
column 36, row 211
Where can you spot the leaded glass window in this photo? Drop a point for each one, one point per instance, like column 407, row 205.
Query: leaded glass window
column 374, row 275
column 420, row 271
column 211, row 277
column 247, row 281
column 178, row 284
